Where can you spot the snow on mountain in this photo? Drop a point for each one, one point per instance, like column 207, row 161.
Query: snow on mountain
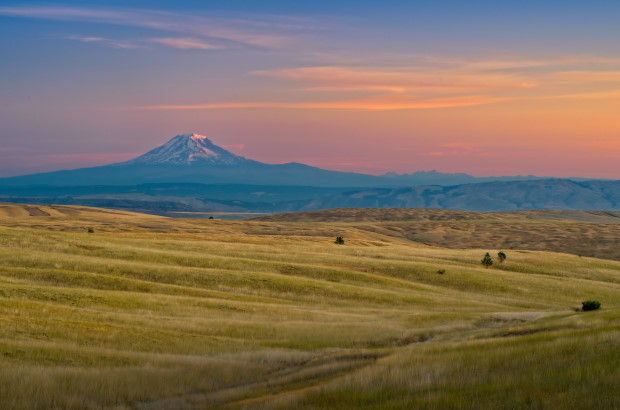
column 193, row 158
column 188, row 149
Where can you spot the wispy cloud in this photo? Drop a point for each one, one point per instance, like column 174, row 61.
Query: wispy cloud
column 504, row 63
column 596, row 95
column 86, row 39
column 62, row 13
column 378, row 103
column 126, row 44
column 430, row 84
column 181, row 43
column 185, row 43
column 398, row 79
column 259, row 31
column 588, row 76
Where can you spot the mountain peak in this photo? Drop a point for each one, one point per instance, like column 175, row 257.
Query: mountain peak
column 194, row 137
column 188, row 149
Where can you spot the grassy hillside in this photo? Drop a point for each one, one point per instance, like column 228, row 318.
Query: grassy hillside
column 582, row 233
column 149, row 313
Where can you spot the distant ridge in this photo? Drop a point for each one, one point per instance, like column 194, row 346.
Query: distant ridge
column 561, row 194
column 172, row 198
column 189, row 173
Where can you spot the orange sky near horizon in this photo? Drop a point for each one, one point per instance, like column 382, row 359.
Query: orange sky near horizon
column 467, row 89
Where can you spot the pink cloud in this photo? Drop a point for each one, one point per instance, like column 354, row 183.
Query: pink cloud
column 399, row 80
column 378, row 103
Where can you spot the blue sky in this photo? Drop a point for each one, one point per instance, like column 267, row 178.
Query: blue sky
column 352, row 85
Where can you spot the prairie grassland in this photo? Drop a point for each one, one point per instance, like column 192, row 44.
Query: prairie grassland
column 583, row 233
column 150, row 312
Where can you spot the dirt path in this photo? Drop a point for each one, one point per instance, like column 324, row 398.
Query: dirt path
column 310, row 374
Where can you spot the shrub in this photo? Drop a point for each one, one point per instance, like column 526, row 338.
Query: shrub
column 339, row 240
column 90, row 230
column 441, row 271
column 501, row 256
column 487, row 261
column 590, row 305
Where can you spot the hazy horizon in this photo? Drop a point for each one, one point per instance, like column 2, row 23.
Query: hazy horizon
column 231, row 149
column 487, row 89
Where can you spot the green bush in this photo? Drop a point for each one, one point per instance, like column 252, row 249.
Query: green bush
column 590, row 305
column 501, row 256
column 339, row 240
column 486, row 261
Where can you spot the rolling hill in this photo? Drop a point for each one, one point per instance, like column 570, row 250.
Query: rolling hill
column 149, row 312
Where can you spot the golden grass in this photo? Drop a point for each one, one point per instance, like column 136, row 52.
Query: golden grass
column 150, row 312
column 583, row 233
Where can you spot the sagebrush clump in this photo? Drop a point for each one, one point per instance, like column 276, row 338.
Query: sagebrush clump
column 501, row 256
column 590, row 305
column 487, row 261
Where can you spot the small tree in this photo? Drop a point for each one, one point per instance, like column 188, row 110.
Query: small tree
column 501, row 256
column 339, row 240
column 487, row 261
column 590, row 305
column 90, row 229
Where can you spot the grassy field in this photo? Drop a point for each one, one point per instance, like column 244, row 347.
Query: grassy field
column 585, row 233
column 149, row 312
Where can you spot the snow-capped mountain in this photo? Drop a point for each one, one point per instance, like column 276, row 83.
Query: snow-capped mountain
column 194, row 158
column 190, row 173
column 188, row 149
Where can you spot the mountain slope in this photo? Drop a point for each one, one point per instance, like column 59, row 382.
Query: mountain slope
column 193, row 158
column 188, row 149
